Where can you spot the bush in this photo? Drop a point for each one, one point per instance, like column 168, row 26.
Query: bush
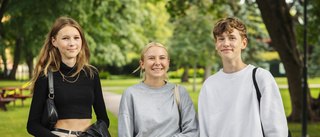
column 104, row 75
column 178, row 73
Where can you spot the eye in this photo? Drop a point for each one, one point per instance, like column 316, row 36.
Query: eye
column 163, row 57
column 232, row 38
column 65, row 38
column 220, row 39
column 77, row 38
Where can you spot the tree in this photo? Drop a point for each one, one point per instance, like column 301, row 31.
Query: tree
column 3, row 7
column 112, row 28
column 190, row 21
column 281, row 27
column 192, row 41
column 116, row 28
column 28, row 23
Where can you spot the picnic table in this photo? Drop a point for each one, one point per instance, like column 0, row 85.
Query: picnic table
column 15, row 96
column 4, row 101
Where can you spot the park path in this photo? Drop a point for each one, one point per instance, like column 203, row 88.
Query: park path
column 112, row 100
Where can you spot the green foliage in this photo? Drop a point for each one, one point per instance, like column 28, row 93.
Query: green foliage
column 112, row 28
column 313, row 37
column 116, row 28
column 178, row 73
column 104, row 75
column 193, row 40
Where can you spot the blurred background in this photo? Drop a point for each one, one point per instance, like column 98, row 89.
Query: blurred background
column 117, row 30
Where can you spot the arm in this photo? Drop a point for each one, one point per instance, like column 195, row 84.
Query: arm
column 125, row 118
column 40, row 94
column 203, row 112
column 189, row 120
column 272, row 113
column 99, row 105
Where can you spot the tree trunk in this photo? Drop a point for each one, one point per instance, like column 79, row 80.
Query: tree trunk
column 30, row 66
column 208, row 67
column 185, row 75
column 194, row 75
column 280, row 25
column 207, row 72
column 4, row 74
column 16, row 58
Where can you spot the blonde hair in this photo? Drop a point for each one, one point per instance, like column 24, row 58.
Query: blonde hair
column 145, row 49
column 50, row 56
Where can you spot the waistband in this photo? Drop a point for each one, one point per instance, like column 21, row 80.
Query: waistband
column 77, row 133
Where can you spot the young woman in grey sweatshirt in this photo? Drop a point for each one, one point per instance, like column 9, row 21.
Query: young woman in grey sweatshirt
column 149, row 108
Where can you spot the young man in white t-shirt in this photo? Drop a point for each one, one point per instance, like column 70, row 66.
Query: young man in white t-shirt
column 228, row 104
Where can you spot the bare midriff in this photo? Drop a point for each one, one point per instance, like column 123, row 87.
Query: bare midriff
column 73, row 124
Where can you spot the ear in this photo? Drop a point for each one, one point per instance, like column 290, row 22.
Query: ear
column 53, row 40
column 215, row 44
column 141, row 64
column 244, row 43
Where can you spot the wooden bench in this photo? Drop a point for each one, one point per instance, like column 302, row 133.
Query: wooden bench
column 17, row 95
column 4, row 101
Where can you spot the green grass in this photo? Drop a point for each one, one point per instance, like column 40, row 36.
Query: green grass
column 13, row 122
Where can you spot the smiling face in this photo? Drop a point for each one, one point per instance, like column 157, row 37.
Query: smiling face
column 68, row 41
column 229, row 45
column 155, row 63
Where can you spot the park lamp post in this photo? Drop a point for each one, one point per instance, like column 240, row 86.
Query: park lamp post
column 304, row 79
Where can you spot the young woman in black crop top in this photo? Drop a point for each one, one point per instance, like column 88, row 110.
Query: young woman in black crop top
column 76, row 83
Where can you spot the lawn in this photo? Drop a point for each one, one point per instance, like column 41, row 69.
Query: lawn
column 13, row 122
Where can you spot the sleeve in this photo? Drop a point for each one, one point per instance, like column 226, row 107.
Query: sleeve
column 99, row 105
column 272, row 113
column 34, row 125
column 125, row 118
column 189, row 120
column 203, row 112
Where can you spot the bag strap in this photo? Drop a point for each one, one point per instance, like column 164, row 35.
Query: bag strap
column 259, row 96
column 258, row 92
column 256, row 85
column 177, row 98
column 51, row 89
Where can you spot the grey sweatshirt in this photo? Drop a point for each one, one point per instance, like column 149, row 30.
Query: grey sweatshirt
column 152, row 112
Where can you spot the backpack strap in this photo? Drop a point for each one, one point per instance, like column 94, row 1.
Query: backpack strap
column 259, row 96
column 256, row 85
column 177, row 98
column 258, row 92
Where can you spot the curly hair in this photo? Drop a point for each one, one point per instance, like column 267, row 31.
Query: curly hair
column 227, row 25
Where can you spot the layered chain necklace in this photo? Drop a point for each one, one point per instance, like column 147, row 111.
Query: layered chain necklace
column 65, row 77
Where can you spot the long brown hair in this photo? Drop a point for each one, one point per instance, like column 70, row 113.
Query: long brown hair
column 50, row 56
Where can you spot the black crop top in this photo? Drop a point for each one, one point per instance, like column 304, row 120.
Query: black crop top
column 72, row 100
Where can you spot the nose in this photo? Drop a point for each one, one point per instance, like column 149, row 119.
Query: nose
column 72, row 42
column 157, row 62
column 226, row 43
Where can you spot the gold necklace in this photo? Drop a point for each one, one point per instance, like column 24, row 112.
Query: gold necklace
column 64, row 77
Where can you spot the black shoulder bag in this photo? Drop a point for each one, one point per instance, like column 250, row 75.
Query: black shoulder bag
column 259, row 96
column 50, row 114
column 97, row 129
